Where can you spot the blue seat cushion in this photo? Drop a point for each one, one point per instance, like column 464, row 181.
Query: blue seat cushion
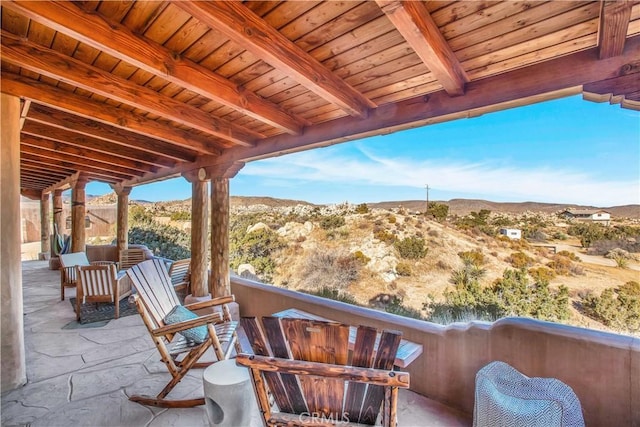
column 180, row 314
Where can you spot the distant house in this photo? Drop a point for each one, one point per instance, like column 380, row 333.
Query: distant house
column 512, row 233
column 594, row 215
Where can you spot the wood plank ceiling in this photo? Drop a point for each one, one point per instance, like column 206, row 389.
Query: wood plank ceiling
column 130, row 92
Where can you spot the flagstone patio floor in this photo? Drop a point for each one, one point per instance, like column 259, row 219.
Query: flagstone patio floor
column 83, row 375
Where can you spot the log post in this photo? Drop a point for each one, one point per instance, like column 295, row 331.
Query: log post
column 58, row 218
column 199, row 223
column 45, row 226
column 14, row 367
column 219, row 282
column 122, row 220
column 78, row 214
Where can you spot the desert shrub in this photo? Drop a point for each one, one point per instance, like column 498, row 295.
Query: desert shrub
column 570, row 255
column 618, row 308
column 361, row 258
column 403, row 269
column 392, row 219
column 362, row 208
column 542, row 274
column 329, row 222
column 520, row 260
column 588, row 233
column 474, row 257
column 411, row 248
column 559, row 236
column 511, row 295
column 257, row 248
column 629, row 244
column 384, row 236
column 442, row 265
column 438, row 211
column 180, row 216
column 162, row 240
column 329, row 268
column 334, row 294
column 138, row 215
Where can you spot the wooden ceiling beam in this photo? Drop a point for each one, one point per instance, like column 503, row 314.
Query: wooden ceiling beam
column 45, row 131
column 77, row 163
column 413, row 21
column 43, row 93
column 252, row 33
column 88, row 156
column 49, row 161
column 571, row 71
column 31, row 194
column 117, row 40
column 53, row 64
column 110, row 134
column 26, row 169
column 614, row 24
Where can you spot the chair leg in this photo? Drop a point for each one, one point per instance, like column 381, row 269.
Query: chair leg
column 117, row 313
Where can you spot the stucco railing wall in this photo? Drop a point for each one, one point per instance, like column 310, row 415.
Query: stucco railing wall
column 602, row 368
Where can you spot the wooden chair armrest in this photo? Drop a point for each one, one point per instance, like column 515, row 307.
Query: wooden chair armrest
column 102, row 262
column 187, row 324
column 349, row 373
column 211, row 302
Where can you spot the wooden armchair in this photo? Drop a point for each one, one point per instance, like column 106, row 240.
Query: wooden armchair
column 306, row 368
column 99, row 283
column 130, row 257
column 156, row 301
column 68, row 264
column 180, row 273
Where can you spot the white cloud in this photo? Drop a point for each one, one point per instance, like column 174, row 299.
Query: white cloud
column 487, row 180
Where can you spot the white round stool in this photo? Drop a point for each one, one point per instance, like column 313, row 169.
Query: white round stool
column 229, row 397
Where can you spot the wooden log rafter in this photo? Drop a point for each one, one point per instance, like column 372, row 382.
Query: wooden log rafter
column 250, row 31
column 120, row 42
column 70, row 102
column 56, row 65
column 614, row 23
column 413, row 21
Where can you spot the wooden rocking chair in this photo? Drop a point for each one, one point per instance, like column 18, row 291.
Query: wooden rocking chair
column 311, row 377
column 155, row 300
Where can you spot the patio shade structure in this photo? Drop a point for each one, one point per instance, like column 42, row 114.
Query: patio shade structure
column 129, row 93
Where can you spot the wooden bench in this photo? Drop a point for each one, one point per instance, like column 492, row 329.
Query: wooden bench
column 407, row 352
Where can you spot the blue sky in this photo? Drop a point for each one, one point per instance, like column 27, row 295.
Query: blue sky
column 563, row 151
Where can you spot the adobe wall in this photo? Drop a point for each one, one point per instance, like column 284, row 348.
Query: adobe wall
column 602, row 368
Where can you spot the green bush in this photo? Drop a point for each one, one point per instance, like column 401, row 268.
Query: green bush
column 162, row 240
column 329, row 222
column 384, row 236
column 334, row 294
column 475, row 257
column 361, row 258
column 396, row 306
column 362, row 208
column 438, row 211
column 511, row 295
column 392, row 219
column 618, row 308
column 181, row 216
column 411, row 248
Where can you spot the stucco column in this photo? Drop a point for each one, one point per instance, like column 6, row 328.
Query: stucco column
column 122, row 220
column 13, row 364
column 199, row 224
column 45, row 226
column 220, row 284
column 78, row 213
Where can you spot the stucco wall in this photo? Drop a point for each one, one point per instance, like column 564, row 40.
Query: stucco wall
column 602, row 368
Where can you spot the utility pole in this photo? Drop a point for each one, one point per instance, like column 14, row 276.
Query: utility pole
column 427, row 210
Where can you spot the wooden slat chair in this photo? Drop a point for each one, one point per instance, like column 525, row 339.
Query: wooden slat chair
column 155, row 297
column 99, row 283
column 180, row 273
column 68, row 263
column 304, row 366
column 130, row 257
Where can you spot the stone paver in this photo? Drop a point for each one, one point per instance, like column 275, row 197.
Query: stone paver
column 84, row 376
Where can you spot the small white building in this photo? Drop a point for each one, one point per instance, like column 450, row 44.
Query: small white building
column 512, row 233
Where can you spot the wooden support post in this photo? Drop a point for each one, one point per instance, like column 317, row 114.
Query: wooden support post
column 220, row 284
column 122, row 220
column 58, row 218
column 45, row 226
column 199, row 223
column 78, row 214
